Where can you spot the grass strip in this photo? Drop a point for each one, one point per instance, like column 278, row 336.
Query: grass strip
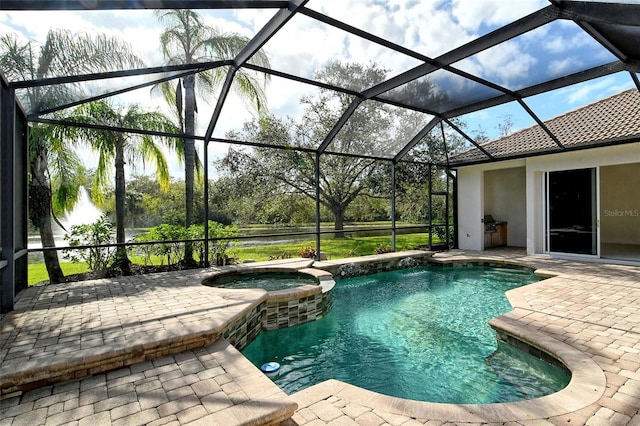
column 334, row 248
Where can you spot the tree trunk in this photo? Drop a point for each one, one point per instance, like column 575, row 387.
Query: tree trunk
column 189, row 160
column 338, row 224
column 41, row 216
column 122, row 260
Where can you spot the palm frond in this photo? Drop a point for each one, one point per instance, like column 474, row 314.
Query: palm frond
column 153, row 152
column 67, row 175
column 71, row 53
column 15, row 58
column 252, row 90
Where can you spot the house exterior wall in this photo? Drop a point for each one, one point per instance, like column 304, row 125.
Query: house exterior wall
column 536, row 166
column 505, row 200
column 620, row 212
column 470, row 208
column 471, row 189
column 471, row 201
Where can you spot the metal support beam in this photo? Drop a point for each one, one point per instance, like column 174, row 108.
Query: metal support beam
column 589, row 29
column 7, row 189
column 456, row 234
column 446, row 213
column 579, row 77
column 505, row 33
column 273, row 26
column 224, row 92
column 206, row 204
column 21, row 199
column 340, row 124
column 571, row 79
column 180, row 70
column 139, row 4
column 363, row 34
column 317, row 181
column 444, row 143
column 299, row 79
column 108, row 94
column 256, row 43
column 467, row 137
column 416, row 139
column 430, row 207
column 521, row 26
column 393, row 206
column 635, row 79
column 612, row 13
column 541, row 124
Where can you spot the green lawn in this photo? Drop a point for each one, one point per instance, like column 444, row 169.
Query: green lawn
column 335, row 248
column 38, row 273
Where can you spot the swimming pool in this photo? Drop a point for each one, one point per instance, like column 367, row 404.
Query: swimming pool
column 417, row 333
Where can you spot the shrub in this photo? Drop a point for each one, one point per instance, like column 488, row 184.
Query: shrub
column 218, row 248
column 283, row 255
column 441, row 233
column 144, row 250
column 168, row 246
column 383, row 248
column 97, row 233
column 307, row 252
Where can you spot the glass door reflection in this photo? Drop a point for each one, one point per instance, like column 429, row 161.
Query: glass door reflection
column 572, row 212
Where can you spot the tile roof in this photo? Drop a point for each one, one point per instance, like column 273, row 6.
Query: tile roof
column 610, row 120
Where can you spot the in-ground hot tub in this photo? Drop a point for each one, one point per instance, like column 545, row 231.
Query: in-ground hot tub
column 266, row 280
column 294, row 295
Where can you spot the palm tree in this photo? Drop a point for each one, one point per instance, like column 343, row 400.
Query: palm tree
column 117, row 149
column 63, row 53
column 188, row 40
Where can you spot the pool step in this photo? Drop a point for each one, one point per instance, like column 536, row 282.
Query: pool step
column 214, row 385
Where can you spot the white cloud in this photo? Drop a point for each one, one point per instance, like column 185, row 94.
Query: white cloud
column 555, row 45
column 561, row 66
column 598, row 89
column 505, row 64
column 565, row 38
column 472, row 14
column 303, row 46
column 440, row 35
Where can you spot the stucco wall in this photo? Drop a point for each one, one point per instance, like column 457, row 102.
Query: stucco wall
column 471, row 202
column 505, row 200
column 471, row 187
column 470, row 208
column 620, row 204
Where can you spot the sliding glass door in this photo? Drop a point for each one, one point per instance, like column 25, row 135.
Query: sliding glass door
column 572, row 212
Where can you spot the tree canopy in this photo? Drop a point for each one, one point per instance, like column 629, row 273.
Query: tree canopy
column 51, row 165
column 372, row 129
column 187, row 39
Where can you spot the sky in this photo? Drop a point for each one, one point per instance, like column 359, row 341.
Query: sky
column 303, row 46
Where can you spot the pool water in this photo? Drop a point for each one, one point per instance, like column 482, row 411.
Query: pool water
column 417, row 333
column 269, row 281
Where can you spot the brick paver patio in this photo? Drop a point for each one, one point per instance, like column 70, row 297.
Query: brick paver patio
column 182, row 371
